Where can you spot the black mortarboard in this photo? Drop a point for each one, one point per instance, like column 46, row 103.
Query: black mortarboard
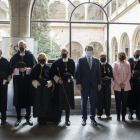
column 21, row 64
column 66, row 75
column 136, row 74
column 106, row 80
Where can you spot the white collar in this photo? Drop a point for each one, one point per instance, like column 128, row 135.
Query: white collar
column 136, row 59
column 88, row 57
column 42, row 65
column 103, row 63
column 22, row 54
column 65, row 60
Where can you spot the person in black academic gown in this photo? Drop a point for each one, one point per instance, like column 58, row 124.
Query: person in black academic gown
column 20, row 65
column 42, row 91
column 62, row 71
column 134, row 93
column 4, row 64
column 104, row 95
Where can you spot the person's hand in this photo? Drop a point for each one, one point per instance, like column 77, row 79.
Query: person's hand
column 38, row 84
column 22, row 69
column 122, row 85
column 46, row 85
column 99, row 87
column 79, row 87
column 60, row 81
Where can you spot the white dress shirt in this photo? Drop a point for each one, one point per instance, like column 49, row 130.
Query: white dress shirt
column 22, row 54
column 90, row 60
column 122, row 70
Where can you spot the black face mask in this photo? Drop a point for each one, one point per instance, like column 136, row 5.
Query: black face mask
column 42, row 61
column 64, row 55
column 103, row 59
column 121, row 57
column 21, row 49
column 136, row 55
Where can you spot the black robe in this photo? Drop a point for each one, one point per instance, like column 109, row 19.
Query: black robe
column 42, row 96
column 22, row 84
column 134, row 93
column 4, row 64
column 104, row 95
column 59, row 100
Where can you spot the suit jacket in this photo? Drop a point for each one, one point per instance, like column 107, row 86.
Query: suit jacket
column 85, row 76
column 118, row 76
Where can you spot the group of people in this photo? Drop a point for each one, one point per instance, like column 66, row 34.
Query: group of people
column 50, row 89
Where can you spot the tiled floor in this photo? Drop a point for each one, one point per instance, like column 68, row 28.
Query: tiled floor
column 106, row 130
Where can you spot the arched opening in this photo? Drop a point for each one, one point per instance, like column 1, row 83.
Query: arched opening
column 98, row 48
column 137, row 39
column 77, row 50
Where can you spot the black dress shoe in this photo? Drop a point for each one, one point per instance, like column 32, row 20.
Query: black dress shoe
column 83, row 122
column 137, row 117
column 17, row 122
column 93, row 122
column 67, row 123
column 57, row 122
column 3, row 122
column 109, row 117
column 29, row 122
column 130, row 117
column 118, row 118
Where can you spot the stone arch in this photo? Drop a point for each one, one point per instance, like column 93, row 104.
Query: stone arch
column 3, row 10
column 79, row 13
column 57, row 10
column 94, row 13
column 98, row 48
column 76, row 50
column 114, row 48
column 125, row 44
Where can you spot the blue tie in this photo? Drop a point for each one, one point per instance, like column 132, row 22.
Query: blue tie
column 89, row 62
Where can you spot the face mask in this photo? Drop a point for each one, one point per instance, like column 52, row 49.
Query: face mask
column 103, row 59
column 136, row 55
column 21, row 49
column 88, row 53
column 121, row 58
column 64, row 55
column 42, row 61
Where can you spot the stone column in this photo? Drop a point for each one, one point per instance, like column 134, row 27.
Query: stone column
column 20, row 17
column 117, row 6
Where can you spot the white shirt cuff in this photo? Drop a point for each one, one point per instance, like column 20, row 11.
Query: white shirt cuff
column 4, row 81
column 56, row 78
column 16, row 71
column 35, row 83
column 28, row 71
column 49, row 83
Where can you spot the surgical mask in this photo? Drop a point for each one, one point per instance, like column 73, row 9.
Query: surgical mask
column 42, row 61
column 64, row 55
column 21, row 49
column 136, row 56
column 88, row 53
column 103, row 59
column 121, row 57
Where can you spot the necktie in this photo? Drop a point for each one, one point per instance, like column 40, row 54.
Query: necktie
column 89, row 62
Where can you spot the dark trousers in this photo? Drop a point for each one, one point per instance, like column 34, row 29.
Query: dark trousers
column 100, row 112
column 60, row 113
column 3, row 115
column 91, row 93
column 28, row 113
column 121, row 97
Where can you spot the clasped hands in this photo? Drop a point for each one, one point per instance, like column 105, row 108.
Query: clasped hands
column 122, row 85
column 40, row 84
column 22, row 69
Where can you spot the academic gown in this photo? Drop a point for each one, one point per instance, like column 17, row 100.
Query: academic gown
column 59, row 101
column 3, row 88
column 134, row 93
column 42, row 96
column 104, row 95
column 22, row 84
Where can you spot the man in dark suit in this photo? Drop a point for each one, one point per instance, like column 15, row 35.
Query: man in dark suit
column 88, row 80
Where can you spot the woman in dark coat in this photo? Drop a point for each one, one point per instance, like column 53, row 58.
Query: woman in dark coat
column 42, row 95
column 104, row 95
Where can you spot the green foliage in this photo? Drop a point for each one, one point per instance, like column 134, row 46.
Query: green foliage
column 41, row 30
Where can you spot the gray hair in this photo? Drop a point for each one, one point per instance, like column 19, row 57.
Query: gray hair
column 64, row 48
column 90, row 46
column 22, row 41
